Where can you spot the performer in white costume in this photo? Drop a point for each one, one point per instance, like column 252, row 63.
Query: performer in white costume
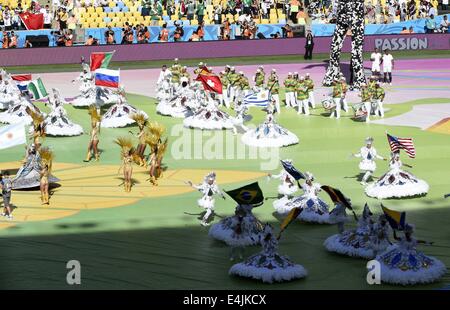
column 368, row 155
column 240, row 230
column 209, row 116
column 119, row 114
column 164, row 89
column 286, row 190
column 179, row 104
column 403, row 264
column 269, row 133
column 268, row 266
column 57, row 123
column 238, row 121
column 209, row 189
column 19, row 112
column 354, row 242
column 397, row 183
column 379, row 235
column 90, row 93
column 315, row 210
column 9, row 92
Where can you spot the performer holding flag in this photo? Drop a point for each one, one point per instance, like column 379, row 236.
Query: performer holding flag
column 402, row 263
column 398, row 183
column 267, row 266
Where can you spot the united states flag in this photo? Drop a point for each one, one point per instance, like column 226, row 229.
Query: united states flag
column 406, row 144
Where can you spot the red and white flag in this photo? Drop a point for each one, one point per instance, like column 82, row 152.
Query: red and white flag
column 210, row 81
column 21, row 77
column 32, row 21
column 396, row 144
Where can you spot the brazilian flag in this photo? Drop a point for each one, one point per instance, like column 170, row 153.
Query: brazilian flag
column 250, row 194
column 396, row 219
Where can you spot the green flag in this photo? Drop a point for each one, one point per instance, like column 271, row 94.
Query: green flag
column 37, row 88
column 247, row 195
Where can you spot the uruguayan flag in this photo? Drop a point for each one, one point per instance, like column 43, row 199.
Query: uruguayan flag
column 258, row 99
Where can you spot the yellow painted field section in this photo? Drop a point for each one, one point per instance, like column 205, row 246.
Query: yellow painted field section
column 95, row 186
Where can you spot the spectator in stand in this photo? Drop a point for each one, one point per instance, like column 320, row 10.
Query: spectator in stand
column 109, row 36
column 412, row 11
column 62, row 18
column 15, row 21
column 411, row 30
column 294, row 7
column 164, row 34
column 7, row 19
column 90, row 41
column 179, row 32
column 154, row 17
column 444, row 5
column 287, row 30
column 443, row 26
column 430, row 24
column 404, row 31
column 403, row 12
column 13, row 40
column 190, row 10
column 200, row 11
column 68, row 38
column 247, row 6
column 5, row 40
column 146, row 6
column 226, row 30
column 48, row 17
column 194, row 37
column 218, row 14
column 72, row 22
column 201, row 32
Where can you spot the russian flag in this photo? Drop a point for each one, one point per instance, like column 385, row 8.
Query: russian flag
column 22, row 80
column 107, row 78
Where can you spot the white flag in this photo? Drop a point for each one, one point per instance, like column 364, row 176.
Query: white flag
column 12, row 135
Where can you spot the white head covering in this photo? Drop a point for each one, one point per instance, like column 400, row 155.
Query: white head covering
column 369, row 140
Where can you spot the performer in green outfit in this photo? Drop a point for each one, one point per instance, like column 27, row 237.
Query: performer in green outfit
column 302, row 97
column 273, row 85
column 378, row 96
column 289, row 91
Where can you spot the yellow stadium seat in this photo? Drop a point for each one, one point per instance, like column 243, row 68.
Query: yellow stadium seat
column 112, row 4
column 85, row 15
column 81, row 10
column 110, row 24
column 99, row 9
column 174, row 18
column 85, row 25
column 102, row 25
column 111, row 15
column 147, row 18
column 137, row 14
column 91, row 9
column 161, row 22
column 133, row 9
column 93, row 25
column 264, row 21
column 194, row 22
column 101, row 14
column 120, row 14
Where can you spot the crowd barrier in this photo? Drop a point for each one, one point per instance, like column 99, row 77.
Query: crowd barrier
column 215, row 49
column 212, row 31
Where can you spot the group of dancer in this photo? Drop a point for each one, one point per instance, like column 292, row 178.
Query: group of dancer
column 19, row 107
column 180, row 97
column 400, row 260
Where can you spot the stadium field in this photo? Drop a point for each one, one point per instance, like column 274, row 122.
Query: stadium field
column 151, row 238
